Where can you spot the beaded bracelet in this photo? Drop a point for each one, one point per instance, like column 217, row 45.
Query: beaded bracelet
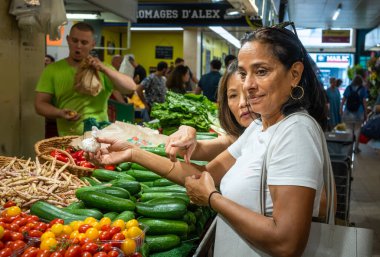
column 209, row 198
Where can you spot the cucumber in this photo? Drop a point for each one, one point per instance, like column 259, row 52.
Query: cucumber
column 108, row 175
column 161, row 211
column 146, row 184
column 49, row 212
column 124, row 166
column 189, row 218
column 91, row 181
column 166, row 200
column 112, row 215
column 87, row 213
column 145, row 250
column 156, row 150
column 125, row 215
column 106, row 202
column 162, row 243
column 211, row 134
column 162, row 182
column 133, row 187
column 135, row 166
column 75, row 205
column 143, row 175
column 116, row 191
column 204, row 137
column 149, row 196
column 165, row 226
column 173, row 189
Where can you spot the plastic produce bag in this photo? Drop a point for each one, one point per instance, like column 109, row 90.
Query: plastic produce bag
column 87, row 79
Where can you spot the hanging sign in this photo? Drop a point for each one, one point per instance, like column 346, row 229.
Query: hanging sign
column 335, row 36
column 200, row 14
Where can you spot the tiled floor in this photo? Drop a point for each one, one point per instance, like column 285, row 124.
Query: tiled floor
column 365, row 193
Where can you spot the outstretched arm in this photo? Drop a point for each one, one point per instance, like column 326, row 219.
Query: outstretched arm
column 44, row 107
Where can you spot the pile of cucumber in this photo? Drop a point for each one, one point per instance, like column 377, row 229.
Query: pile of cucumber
column 134, row 192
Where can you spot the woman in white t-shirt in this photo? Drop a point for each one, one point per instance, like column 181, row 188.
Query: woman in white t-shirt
column 279, row 80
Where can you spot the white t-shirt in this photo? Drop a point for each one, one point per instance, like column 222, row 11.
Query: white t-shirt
column 296, row 158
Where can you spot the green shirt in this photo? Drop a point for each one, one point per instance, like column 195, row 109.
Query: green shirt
column 57, row 79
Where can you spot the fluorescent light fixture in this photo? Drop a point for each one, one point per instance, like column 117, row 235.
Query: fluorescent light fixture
column 82, row 16
column 254, row 6
column 233, row 12
column 337, row 12
column 157, row 29
column 226, row 35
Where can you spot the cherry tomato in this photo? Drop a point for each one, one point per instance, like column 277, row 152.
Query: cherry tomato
column 73, row 251
column 17, row 236
column 41, row 226
column 90, row 247
column 43, row 253
column 24, row 230
column 9, row 244
column 83, row 228
column 100, row 254
column 86, row 254
column 30, row 252
column 136, row 254
column 32, row 224
column 21, row 221
column 109, row 167
column 31, row 218
column 9, row 203
column 6, row 252
column 14, row 227
column 1, row 245
column 56, row 254
column 113, row 253
column 105, row 227
column 85, row 241
column 35, row 233
column 18, row 245
column 55, row 221
column 105, row 235
column 106, row 247
column 114, row 230
column 13, row 211
column 7, row 235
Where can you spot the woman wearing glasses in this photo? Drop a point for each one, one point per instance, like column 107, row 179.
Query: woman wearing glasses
column 281, row 87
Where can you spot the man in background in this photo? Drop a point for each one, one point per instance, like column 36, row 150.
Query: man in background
column 208, row 84
column 49, row 59
column 116, row 61
column 139, row 73
column 193, row 81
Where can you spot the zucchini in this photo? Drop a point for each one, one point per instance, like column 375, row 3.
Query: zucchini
column 106, row 202
column 49, row 212
column 112, row 215
column 143, row 175
column 116, row 191
column 162, row 210
column 166, row 200
column 149, row 196
column 135, row 166
column 162, row 243
column 173, row 189
column 87, row 213
column 165, row 226
column 162, row 182
column 125, row 215
column 75, row 205
column 124, row 166
column 133, row 187
column 108, row 175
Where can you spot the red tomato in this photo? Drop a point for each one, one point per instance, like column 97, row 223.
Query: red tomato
column 106, row 247
column 105, row 235
column 9, row 203
column 118, row 236
column 18, row 245
column 113, row 253
column 64, row 236
column 14, row 227
column 114, row 230
column 100, row 254
column 1, row 245
column 73, row 251
column 105, row 227
column 24, row 229
column 9, row 244
column 83, row 228
column 90, row 247
column 85, row 241
column 86, row 164
column 136, row 254
column 55, row 221
column 17, row 236
column 30, row 252
column 56, row 254
column 22, row 221
column 109, row 167
column 86, row 254
column 42, row 226
column 43, row 253
column 6, row 252
column 7, row 236
column 32, row 218
column 35, row 233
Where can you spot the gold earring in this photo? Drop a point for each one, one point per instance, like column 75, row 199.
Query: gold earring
column 301, row 93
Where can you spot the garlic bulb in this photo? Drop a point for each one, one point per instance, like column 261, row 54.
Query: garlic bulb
column 90, row 145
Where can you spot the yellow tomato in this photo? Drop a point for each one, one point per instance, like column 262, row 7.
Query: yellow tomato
column 1, row 232
column 76, row 224
column 46, row 235
column 95, row 225
column 67, row 230
column 105, row 221
column 81, row 236
column 13, row 211
column 92, row 233
column 134, row 232
column 128, row 246
column 89, row 220
column 119, row 223
column 125, row 233
column 57, row 229
column 48, row 244
column 132, row 223
column 74, row 234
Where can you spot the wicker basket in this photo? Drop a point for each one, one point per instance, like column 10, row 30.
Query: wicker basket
column 45, row 146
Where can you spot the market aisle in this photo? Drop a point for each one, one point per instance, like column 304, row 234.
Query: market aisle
column 365, row 193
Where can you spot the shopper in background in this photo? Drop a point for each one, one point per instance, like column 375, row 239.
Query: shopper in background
column 333, row 96
column 193, row 81
column 49, row 59
column 279, row 80
column 139, row 73
column 153, row 88
column 116, row 95
column 355, row 105
column 177, row 79
column 229, row 59
column 50, row 124
column 116, row 61
column 56, row 84
column 208, row 84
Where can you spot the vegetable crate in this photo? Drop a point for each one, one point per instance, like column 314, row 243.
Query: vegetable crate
column 45, row 146
column 120, row 112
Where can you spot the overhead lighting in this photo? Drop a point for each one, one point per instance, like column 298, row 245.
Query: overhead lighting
column 157, row 29
column 337, row 12
column 226, row 35
column 233, row 12
column 82, row 16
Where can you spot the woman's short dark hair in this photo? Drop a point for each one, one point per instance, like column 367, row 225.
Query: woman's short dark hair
column 357, row 81
column 175, row 81
column 227, row 120
column 288, row 49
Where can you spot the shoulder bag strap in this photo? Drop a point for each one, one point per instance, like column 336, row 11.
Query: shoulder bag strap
column 328, row 176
